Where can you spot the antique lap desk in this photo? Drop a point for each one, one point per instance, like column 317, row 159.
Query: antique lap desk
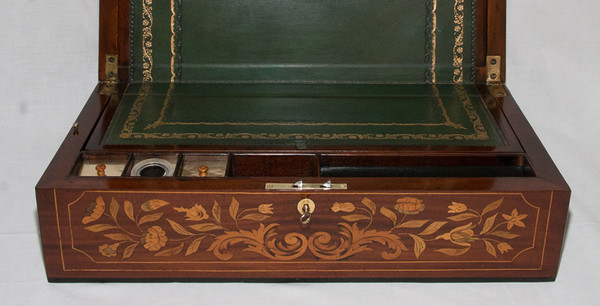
column 302, row 140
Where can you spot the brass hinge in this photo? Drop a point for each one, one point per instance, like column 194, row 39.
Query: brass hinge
column 111, row 75
column 494, row 76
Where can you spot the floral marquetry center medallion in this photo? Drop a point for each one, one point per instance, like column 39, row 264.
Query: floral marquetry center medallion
column 400, row 229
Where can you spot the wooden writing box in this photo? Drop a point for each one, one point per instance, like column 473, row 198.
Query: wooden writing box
column 297, row 140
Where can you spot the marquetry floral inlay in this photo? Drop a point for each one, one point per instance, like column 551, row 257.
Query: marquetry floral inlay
column 356, row 237
column 151, row 235
column 192, row 229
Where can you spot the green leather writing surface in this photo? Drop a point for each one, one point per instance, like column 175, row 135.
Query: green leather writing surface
column 382, row 41
column 282, row 114
column 322, row 72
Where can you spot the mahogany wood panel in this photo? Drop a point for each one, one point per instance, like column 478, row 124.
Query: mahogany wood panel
column 538, row 156
column 496, row 31
column 114, row 35
column 481, row 42
column 124, row 38
column 109, row 28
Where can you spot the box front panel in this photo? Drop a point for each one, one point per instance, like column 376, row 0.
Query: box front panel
column 111, row 234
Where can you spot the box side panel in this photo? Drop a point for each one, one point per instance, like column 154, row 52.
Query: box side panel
column 557, row 227
column 496, row 32
column 50, row 235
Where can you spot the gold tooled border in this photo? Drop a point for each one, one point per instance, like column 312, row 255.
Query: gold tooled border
column 173, row 68
column 433, row 40
column 293, row 270
column 478, row 126
column 459, row 33
column 173, row 37
column 147, row 23
column 160, row 121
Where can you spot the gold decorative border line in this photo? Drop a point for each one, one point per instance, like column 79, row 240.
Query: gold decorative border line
column 303, row 136
column 451, row 124
column 473, row 39
column 459, row 33
column 448, row 122
column 434, row 41
column 480, row 130
column 60, row 242
column 440, row 102
column 174, row 73
column 147, row 22
column 431, row 41
column 163, row 111
column 136, row 109
column 173, row 55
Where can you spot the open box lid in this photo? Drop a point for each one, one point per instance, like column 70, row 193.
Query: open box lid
column 355, row 43
column 395, row 41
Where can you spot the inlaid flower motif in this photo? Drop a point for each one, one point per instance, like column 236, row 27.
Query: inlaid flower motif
column 109, row 250
column 94, row 211
column 153, row 205
column 196, row 213
column 504, row 247
column 457, row 208
column 409, row 206
column 154, row 238
column 514, row 219
column 344, row 207
column 462, row 235
column 266, row 209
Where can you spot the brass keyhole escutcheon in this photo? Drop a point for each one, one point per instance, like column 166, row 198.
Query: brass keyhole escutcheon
column 306, row 207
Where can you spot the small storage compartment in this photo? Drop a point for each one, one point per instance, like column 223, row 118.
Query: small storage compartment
column 274, row 165
column 425, row 166
column 154, row 165
column 195, row 165
column 100, row 165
